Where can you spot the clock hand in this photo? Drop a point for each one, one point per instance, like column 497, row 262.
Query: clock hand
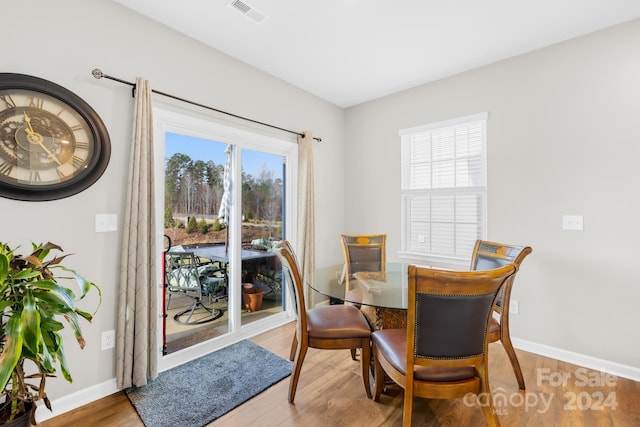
column 27, row 120
column 39, row 142
column 36, row 138
column 55, row 159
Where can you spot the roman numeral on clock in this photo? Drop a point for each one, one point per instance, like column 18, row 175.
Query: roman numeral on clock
column 77, row 162
column 35, row 102
column 6, row 168
column 8, row 101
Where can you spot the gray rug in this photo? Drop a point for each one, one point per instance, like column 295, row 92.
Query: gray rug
column 198, row 392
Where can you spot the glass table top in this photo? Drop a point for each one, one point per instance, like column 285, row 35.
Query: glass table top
column 386, row 289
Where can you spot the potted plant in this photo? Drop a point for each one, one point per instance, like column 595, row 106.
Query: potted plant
column 34, row 309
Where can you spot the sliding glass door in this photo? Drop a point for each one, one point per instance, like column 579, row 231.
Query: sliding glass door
column 263, row 211
column 196, row 310
column 225, row 201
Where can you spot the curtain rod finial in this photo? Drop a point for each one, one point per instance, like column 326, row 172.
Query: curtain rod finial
column 97, row 73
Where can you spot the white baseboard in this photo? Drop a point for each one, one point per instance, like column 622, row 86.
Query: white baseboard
column 617, row 369
column 76, row 400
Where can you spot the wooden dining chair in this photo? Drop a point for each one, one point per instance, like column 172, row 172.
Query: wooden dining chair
column 362, row 253
column 442, row 354
column 487, row 255
column 328, row 327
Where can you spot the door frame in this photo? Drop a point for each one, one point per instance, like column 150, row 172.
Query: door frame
column 172, row 118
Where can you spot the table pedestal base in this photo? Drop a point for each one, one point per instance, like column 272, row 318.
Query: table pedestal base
column 385, row 318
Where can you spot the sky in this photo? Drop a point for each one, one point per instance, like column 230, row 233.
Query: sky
column 253, row 162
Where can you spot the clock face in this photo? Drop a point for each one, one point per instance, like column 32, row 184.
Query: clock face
column 52, row 143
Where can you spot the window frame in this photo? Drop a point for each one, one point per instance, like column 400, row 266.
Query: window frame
column 461, row 258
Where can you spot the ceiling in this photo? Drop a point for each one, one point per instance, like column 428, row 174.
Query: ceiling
column 352, row 51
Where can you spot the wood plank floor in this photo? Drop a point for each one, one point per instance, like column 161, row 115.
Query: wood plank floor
column 330, row 393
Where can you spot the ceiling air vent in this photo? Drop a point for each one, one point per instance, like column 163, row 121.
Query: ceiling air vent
column 248, row 11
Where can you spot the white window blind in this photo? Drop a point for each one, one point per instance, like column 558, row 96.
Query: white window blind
column 444, row 188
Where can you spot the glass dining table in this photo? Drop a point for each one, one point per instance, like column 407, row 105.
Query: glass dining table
column 382, row 295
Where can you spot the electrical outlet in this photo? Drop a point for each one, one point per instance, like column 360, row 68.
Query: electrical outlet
column 513, row 307
column 108, row 339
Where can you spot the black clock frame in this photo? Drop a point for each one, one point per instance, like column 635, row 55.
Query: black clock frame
column 96, row 165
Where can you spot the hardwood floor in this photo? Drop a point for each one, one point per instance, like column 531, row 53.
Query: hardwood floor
column 330, row 393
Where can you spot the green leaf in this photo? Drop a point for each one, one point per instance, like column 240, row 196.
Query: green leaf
column 64, row 295
column 63, row 365
column 12, row 349
column 4, row 267
column 4, row 304
column 31, row 324
column 53, row 341
column 72, row 318
column 53, row 302
column 26, row 274
column 87, row 316
column 47, row 360
column 49, row 324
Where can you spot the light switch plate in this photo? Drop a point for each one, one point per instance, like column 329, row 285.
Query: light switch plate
column 573, row 222
column 106, row 223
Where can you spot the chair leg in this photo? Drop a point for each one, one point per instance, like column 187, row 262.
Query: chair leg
column 489, row 410
column 515, row 364
column 168, row 301
column 297, row 367
column 378, row 376
column 408, row 406
column 365, row 356
column 294, row 347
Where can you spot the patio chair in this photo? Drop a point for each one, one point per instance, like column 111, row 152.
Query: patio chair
column 185, row 276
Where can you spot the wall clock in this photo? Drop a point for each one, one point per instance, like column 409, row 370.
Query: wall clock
column 52, row 143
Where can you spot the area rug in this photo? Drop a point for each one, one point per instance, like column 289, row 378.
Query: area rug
column 198, row 392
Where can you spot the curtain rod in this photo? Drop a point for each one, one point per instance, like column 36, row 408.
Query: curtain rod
column 98, row 74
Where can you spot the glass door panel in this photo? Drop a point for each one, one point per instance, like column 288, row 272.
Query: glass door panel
column 205, row 295
column 262, row 223
column 196, row 291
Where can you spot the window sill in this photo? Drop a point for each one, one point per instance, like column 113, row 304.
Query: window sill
column 435, row 261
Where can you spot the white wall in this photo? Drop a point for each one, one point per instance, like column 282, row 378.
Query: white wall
column 62, row 42
column 562, row 139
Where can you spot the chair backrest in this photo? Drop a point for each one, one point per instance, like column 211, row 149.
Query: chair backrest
column 487, row 255
column 448, row 314
column 291, row 274
column 366, row 252
column 181, row 272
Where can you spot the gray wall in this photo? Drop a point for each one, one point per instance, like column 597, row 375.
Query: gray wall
column 562, row 139
column 63, row 41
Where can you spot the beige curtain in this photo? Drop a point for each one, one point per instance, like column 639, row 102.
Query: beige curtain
column 306, row 210
column 136, row 342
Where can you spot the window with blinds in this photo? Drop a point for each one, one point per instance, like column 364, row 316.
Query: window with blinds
column 444, row 188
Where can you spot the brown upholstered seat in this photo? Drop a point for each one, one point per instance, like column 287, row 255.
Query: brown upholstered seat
column 329, row 327
column 488, row 255
column 442, row 352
